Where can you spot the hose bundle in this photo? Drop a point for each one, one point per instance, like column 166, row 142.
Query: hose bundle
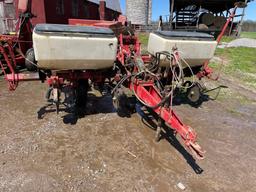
column 145, row 73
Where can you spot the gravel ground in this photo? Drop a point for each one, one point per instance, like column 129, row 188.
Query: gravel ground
column 103, row 152
column 241, row 42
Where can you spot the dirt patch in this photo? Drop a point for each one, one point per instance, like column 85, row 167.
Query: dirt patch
column 103, row 152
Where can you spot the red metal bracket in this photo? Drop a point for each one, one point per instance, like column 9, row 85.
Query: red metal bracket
column 233, row 14
column 149, row 94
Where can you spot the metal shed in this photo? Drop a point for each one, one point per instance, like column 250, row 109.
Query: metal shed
column 203, row 15
column 215, row 6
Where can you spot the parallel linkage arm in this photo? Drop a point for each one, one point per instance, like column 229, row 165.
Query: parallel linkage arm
column 150, row 95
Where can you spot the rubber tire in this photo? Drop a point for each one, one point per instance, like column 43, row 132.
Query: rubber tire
column 194, row 100
column 81, row 96
column 30, row 56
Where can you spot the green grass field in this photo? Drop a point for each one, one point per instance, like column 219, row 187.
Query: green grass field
column 240, row 58
column 239, row 62
column 251, row 35
column 143, row 39
column 227, row 39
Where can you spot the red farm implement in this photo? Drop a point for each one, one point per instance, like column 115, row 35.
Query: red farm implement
column 153, row 86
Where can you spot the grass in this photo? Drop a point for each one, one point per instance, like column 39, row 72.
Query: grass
column 251, row 35
column 241, row 64
column 144, row 39
column 227, row 39
column 241, row 58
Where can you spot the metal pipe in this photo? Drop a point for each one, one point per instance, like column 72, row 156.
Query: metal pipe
column 22, row 77
column 232, row 24
column 226, row 25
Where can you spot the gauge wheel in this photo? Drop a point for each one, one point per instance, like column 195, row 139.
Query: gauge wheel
column 123, row 105
column 194, row 94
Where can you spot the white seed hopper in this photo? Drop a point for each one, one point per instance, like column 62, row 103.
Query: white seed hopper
column 195, row 48
column 66, row 47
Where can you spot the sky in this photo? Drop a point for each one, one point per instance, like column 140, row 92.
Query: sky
column 163, row 9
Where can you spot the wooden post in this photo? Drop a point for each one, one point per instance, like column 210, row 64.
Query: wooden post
column 171, row 12
column 102, row 9
column 239, row 29
column 198, row 15
column 160, row 24
column 231, row 27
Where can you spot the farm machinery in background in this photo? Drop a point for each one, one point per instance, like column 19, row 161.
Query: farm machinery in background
column 87, row 53
column 204, row 16
column 16, row 48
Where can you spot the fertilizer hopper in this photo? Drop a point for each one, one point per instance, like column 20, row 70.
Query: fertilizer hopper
column 195, row 48
column 66, row 47
column 70, row 56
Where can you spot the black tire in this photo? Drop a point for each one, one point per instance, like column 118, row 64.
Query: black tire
column 123, row 104
column 81, row 96
column 30, row 60
column 194, row 95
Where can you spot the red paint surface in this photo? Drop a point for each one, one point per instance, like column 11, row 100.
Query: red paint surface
column 22, row 6
column 45, row 11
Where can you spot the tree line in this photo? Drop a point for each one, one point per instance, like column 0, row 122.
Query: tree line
column 249, row 26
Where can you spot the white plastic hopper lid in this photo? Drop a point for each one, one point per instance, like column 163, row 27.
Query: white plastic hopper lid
column 184, row 35
column 59, row 28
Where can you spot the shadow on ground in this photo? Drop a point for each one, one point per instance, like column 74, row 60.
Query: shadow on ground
column 95, row 105
column 149, row 118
